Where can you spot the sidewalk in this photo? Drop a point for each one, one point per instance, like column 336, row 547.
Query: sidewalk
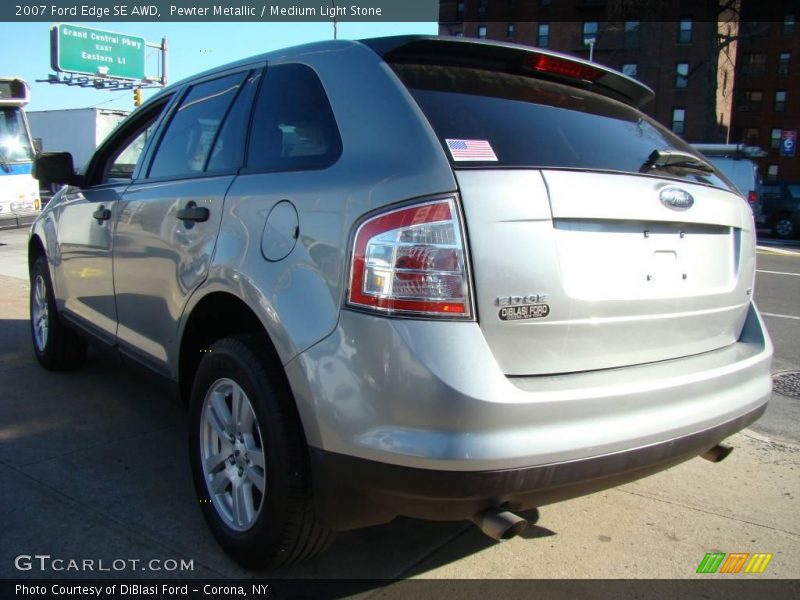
column 95, row 466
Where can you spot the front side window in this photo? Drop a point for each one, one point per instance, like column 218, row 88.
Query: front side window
column 678, row 120
column 544, row 35
column 681, row 75
column 685, row 31
column 124, row 161
column 293, row 124
column 186, row 145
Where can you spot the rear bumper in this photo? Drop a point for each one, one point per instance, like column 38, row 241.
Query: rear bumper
column 415, row 418
column 353, row 492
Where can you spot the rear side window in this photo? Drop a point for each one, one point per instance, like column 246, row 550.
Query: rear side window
column 293, row 123
column 534, row 123
column 186, row 144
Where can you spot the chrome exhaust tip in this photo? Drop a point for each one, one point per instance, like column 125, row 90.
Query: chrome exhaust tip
column 718, row 453
column 499, row 524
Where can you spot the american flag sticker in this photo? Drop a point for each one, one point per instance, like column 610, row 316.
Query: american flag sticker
column 474, row 150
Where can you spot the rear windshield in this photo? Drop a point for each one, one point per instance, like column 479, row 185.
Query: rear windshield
column 529, row 122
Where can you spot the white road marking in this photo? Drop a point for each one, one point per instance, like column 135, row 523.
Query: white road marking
column 778, row 273
column 781, row 316
column 778, row 251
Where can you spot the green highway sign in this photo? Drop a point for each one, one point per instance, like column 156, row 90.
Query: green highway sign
column 75, row 49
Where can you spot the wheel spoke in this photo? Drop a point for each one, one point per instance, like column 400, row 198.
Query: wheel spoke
column 256, row 455
column 256, row 477
column 219, row 417
column 213, row 463
column 242, row 503
column 219, row 482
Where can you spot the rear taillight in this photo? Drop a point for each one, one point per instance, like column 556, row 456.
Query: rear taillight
column 411, row 261
column 751, row 197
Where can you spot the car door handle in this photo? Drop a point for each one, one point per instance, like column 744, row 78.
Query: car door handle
column 102, row 214
column 192, row 212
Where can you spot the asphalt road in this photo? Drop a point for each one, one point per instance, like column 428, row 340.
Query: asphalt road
column 95, row 466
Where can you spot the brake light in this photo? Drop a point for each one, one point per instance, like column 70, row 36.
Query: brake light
column 554, row 65
column 751, row 197
column 411, row 261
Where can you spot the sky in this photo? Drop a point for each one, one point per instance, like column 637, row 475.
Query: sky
column 193, row 48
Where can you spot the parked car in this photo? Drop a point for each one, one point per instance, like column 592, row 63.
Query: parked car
column 780, row 202
column 735, row 161
column 417, row 276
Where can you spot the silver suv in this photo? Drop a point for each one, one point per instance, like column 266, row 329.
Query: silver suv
column 412, row 276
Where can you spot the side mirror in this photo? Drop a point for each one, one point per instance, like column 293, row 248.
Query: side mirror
column 55, row 167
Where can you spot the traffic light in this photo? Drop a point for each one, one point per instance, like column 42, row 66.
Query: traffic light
column 137, row 97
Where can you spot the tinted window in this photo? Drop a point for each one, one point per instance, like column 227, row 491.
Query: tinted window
column 293, row 124
column 124, row 161
column 186, row 144
column 535, row 123
column 228, row 151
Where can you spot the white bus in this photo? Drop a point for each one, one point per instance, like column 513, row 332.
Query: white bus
column 19, row 191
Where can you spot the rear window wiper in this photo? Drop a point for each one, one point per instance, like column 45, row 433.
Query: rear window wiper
column 666, row 160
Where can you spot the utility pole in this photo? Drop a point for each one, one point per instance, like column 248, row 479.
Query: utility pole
column 334, row 18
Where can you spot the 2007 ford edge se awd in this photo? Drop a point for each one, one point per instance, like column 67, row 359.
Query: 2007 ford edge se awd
column 415, row 276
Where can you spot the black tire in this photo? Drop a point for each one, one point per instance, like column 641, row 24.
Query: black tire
column 61, row 348
column 783, row 227
column 286, row 528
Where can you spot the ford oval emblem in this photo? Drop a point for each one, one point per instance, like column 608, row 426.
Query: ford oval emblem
column 676, row 198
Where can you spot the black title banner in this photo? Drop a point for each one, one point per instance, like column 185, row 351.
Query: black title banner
column 219, row 10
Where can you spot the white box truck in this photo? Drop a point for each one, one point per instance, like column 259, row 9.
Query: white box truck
column 75, row 130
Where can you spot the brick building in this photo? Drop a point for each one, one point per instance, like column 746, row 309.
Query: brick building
column 709, row 67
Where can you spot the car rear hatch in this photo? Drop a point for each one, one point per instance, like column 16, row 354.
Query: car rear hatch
column 598, row 238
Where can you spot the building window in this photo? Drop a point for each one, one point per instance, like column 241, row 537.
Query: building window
column 511, row 31
column 685, row 31
column 629, row 69
column 750, row 136
column 589, row 31
column 754, row 64
column 681, row 75
column 751, row 101
column 460, row 10
column 544, row 2
column 788, row 25
column 544, row 36
column 482, row 32
column 772, row 173
column 775, row 139
column 458, row 33
column 780, row 100
column 631, row 33
column 482, row 6
column 678, row 120
column 784, row 59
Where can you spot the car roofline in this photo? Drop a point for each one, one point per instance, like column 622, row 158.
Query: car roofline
column 510, row 58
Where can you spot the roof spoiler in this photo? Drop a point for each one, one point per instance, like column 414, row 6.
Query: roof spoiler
column 515, row 59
